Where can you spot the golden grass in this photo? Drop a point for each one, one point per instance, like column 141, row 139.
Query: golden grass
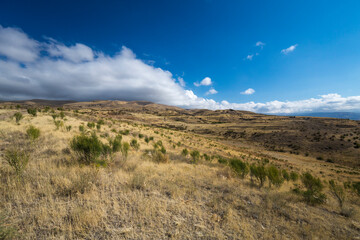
column 139, row 199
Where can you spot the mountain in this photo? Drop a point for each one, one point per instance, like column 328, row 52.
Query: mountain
column 342, row 115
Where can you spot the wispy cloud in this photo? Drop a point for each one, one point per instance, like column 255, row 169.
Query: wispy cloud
column 289, row 49
column 205, row 82
column 181, row 81
column 260, row 44
column 248, row 91
column 250, row 57
column 211, row 91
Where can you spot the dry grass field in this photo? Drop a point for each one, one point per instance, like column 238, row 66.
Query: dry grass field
column 156, row 190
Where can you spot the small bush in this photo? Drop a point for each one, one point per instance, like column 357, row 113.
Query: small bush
column 88, row 148
column 141, row 135
column 134, row 144
column 59, row 124
column 81, row 128
column 62, row 115
column 54, row 116
column 356, row 187
column 125, row 132
column 195, row 155
column 294, row 176
column 185, row 152
column 313, row 194
column 159, row 157
column 18, row 116
column 239, row 167
column 17, row 159
column 32, row 111
column 116, row 143
column 206, row 157
column 285, row 175
column 125, row 149
column 274, row 176
column 91, row 125
column 147, row 140
column 68, row 128
column 259, row 172
column 33, row 133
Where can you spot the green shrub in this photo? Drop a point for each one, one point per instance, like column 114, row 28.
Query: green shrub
column 116, row 143
column 313, row 194
column 125, row 132
column 46, row 109
column 141, row 135
column 88, row 148
column 294, row 176
column 274, row 176
column 195, row 155
column 68, row 128
column 91, row 125
column 33, row 133
column 59, row 124
column 32, row 111
column 17, row 159
column 239, row 167
column 134, row 144
column 206, row 157
column 185, row 152
column 125, row 149
column 98, row 127
column 285, row 175
column 62, row 115
column 18, row 116
column 356, row 187
column 54, row 116
column 147, row 140
column 222, row 160
column 259, row 172
column 81, row 128
column 100, row 122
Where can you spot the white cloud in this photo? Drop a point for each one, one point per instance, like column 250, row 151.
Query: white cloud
column 289, row 49
column 260, row 44
column 16, row 45
column 250, row 57
column 205, row 82
column 77, row 53
column 211, row 91
column 77, row 72
column 248, row 91
column 181, row 81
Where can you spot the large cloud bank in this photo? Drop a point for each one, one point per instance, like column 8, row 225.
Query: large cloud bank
column 51, row 70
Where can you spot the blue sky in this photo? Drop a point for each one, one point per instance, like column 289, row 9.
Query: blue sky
column 193, row 40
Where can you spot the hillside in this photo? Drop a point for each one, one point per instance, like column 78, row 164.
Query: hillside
column 157, row 190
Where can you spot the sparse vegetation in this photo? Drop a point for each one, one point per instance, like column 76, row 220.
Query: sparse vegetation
column 81, row 183
column 32, row 111
column 18, row 159
column 33, row 133
column 18, row 116
column 313, row 193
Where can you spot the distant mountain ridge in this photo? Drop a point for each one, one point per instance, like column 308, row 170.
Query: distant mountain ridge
column 342, row 115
